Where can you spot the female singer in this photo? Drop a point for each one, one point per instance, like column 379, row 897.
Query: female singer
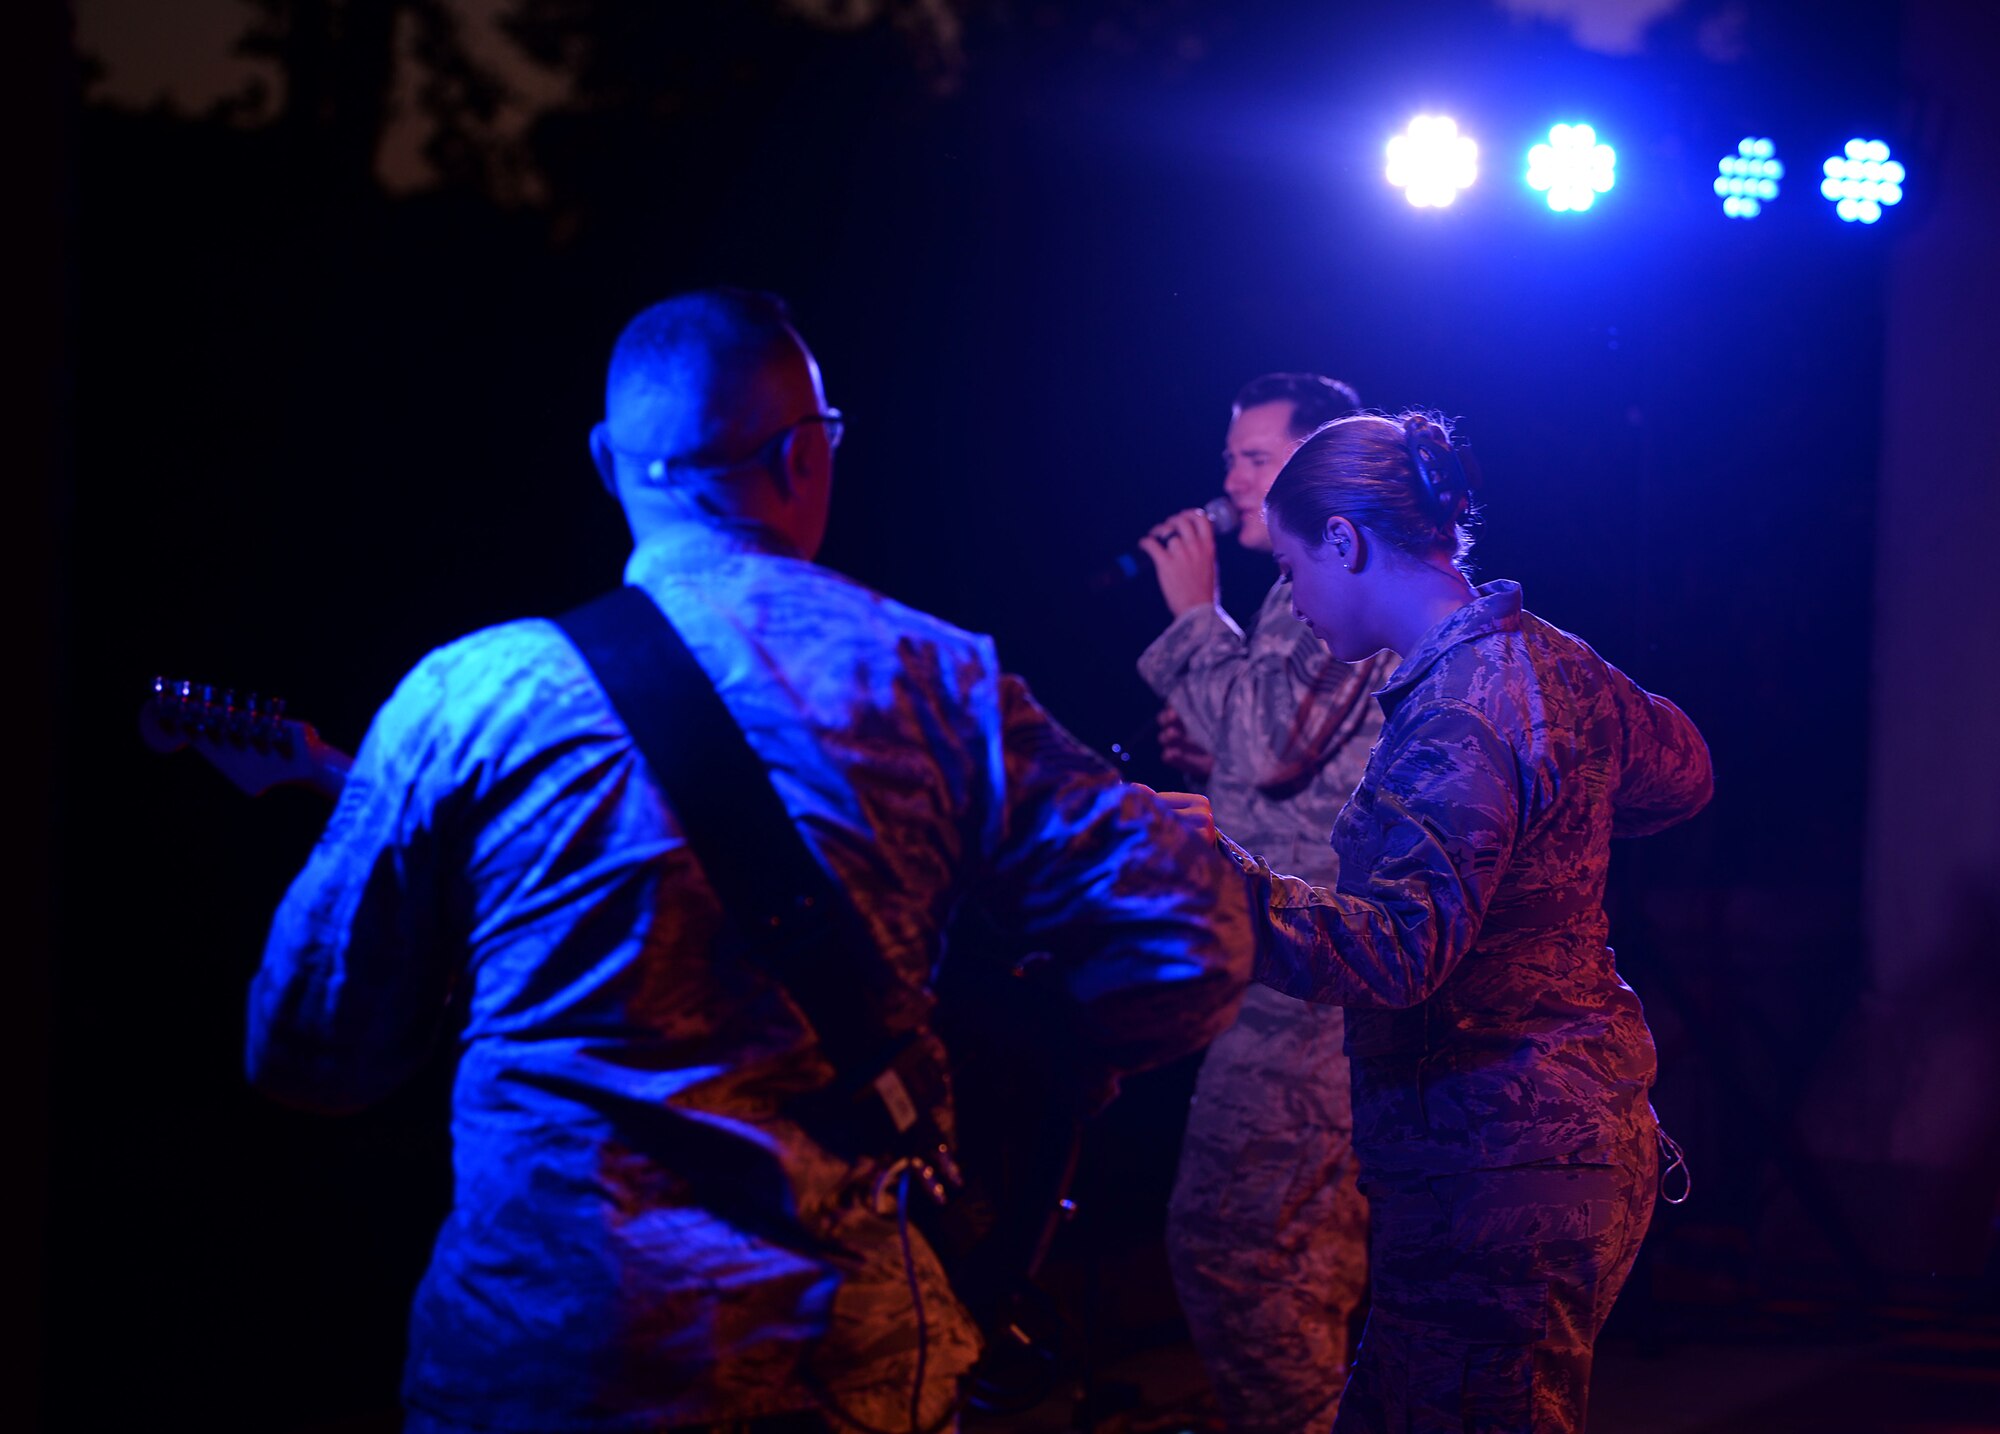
column 1500, row 1066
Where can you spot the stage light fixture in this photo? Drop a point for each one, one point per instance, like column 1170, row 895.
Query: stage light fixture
column 1572, row 168
column 1862, row 181
column 1749, row 178
column 1431, row 161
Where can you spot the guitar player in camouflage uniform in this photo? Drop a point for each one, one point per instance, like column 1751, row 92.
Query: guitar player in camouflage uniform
column 645, row 1233
column 1267, row 1232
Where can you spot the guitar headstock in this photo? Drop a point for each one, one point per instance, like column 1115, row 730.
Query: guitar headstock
column 249, row 739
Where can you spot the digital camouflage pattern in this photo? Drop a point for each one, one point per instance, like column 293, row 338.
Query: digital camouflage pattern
column 1486, row 1023
column 1267, row 703
column 1490, row 1290
column 1489, row 1034
column 640, row 1236
column 1267, row 1230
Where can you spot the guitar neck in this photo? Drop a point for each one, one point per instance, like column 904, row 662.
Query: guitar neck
column 250, row 741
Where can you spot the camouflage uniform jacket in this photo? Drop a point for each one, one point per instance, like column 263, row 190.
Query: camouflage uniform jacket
column 1487, row 1025
column 1254, row 701
column 499, row 828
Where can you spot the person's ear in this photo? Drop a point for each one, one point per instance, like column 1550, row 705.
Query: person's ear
column 794, row 468
column 604, row 459
column 1345, row 540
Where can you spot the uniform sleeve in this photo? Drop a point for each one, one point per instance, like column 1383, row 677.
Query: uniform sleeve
column 1423, row 846
column 357, row 968
column 1242, row 695
column 1667, row 776
column 1194, row 665
column 1146, row 921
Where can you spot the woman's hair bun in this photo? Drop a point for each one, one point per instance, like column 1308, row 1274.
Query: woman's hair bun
column 1445, row 475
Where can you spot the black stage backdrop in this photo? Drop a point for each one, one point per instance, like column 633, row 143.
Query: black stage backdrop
column 321, row 428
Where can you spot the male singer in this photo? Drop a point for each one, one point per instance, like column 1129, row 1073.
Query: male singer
column 1267, row 1234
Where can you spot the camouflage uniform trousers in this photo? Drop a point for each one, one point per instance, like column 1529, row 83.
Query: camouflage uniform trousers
column 1267, row 1231
column 1490, row 1289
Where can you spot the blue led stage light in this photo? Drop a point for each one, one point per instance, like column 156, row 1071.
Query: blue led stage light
column 1863, row 181
column 1431, row 161
column 1749, row 178
column 1573, row 168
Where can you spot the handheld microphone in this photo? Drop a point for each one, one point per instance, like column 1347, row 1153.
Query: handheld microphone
column 1222, row 516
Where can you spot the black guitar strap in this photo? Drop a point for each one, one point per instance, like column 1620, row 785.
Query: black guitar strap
column 798, row 923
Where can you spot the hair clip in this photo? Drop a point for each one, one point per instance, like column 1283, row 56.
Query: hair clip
column 1443, row 476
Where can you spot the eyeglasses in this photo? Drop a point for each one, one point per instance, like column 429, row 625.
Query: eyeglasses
column 762, row 456
column 833, row 420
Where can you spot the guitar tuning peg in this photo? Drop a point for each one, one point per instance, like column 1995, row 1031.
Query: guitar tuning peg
column 159, row 686
column 184, row 690
column 207, row 695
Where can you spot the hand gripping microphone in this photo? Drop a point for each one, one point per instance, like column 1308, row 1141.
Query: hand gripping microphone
column 1222, row 516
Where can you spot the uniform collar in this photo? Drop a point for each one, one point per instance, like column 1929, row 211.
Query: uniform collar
column 1495, row 607
column 682, row 546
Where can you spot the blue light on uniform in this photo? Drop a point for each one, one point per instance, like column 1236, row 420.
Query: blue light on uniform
column 1431, row 161
column 1749, row 178
column 1863, row 181
column 1573, row 168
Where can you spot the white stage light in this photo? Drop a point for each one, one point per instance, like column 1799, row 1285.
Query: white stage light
column 1431, row 161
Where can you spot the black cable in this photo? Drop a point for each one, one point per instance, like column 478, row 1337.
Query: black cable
column 916, row 1300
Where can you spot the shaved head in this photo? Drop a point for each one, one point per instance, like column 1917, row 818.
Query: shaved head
column 705, row 377
column 714, row 411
